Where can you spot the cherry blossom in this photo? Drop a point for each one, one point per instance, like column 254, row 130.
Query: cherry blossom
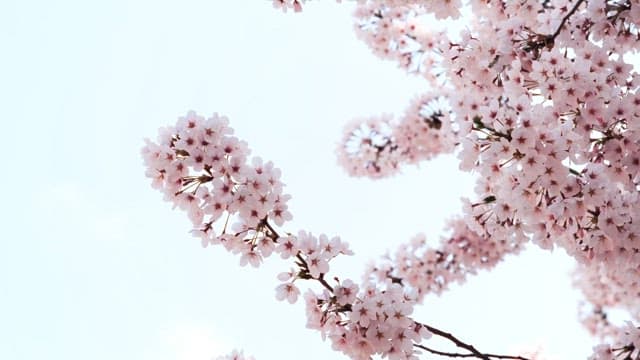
column 204, row 170
column 360, row 320
column 378, row 146
column 539, row 99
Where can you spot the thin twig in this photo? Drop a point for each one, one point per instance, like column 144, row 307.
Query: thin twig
column 442, row 353
column 320, row 278
column 565, row 18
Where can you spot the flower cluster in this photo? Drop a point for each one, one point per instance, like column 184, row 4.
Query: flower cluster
column 312, row 256
column 358, row 323
column 204, row 170
column 544, row 98
column 378, row 146
column 626, row 345
column 428, row 270
column 605, row 290
column 368, row 148
column 372, row 321
column 396, row 31
column 539, row 98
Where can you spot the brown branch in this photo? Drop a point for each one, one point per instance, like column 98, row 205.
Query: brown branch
column 320, row 278
column 325, row 283
column 271, row 229
column 564, row 20
column 478, row 125
column 456, row 341
column 442, row 353
column 473, row 352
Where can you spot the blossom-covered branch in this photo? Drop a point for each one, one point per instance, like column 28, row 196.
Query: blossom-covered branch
column 539, row 98
column 544, row 98
column 377, row 147
column 204, row 170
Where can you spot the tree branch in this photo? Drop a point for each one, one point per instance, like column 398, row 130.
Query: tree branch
column 442, row 353
column 564, row 20
column 473, row 352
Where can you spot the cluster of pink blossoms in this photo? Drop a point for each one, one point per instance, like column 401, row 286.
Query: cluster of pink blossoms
column 604, row 291
column 544, row 98
column 202, row 169
column 626, row 346
column 427, row 270
column 378, row 146
column 539, row 98
column 373, row 321
column 312, row 256
column 358, row 322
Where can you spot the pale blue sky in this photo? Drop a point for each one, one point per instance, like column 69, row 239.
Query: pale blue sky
column 93, row 265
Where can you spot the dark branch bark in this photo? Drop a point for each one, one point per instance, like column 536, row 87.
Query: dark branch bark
column 565, row 18
column 473, row 352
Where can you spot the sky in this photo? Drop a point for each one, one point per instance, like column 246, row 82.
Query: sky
column 94, row 265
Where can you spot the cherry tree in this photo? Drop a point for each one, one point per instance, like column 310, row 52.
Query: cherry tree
column 538, row 98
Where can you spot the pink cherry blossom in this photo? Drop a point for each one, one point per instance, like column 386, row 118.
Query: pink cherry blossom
column 538, row 98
